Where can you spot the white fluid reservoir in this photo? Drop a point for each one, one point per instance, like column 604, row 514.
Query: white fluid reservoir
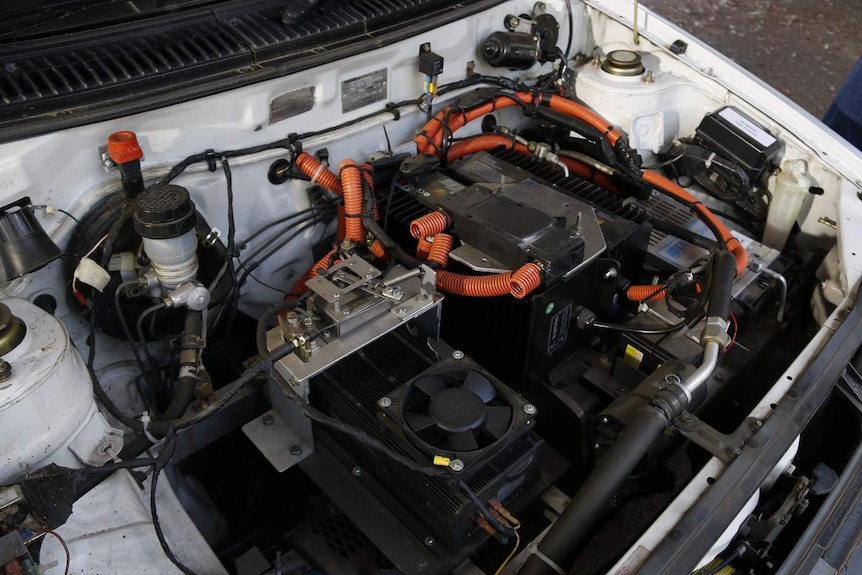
column 791, row 189
column 47, row 410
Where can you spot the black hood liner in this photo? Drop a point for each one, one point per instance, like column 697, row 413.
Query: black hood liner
column 46, row 85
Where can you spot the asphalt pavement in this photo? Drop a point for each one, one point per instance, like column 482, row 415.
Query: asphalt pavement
column 804, row 48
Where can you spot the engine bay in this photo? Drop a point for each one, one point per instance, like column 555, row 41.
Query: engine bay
column 505, row 297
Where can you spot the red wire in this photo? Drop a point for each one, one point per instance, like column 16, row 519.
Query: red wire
column 735, row 331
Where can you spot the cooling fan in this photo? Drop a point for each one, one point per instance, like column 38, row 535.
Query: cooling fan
column 457, row 409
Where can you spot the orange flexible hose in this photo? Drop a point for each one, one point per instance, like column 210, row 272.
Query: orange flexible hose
column 423, row 249
column 430, row 139
column 525, row 279
column 440, row 248
column 429, row 225
column 646, row 292
column 351, row 182
column 378, row 250
column 308, row 165
column 322, row 264
column 474, row 286
column 482, row 143
column 730, row 242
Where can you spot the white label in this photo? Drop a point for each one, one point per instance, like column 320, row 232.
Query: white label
column 748, row 127
column 92, row 274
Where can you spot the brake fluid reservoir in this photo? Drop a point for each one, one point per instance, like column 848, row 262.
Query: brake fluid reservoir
column 791, row 188
column 165, row 218
column 47, row 410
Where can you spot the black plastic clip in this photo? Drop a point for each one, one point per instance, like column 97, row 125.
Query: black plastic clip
column 211, row 158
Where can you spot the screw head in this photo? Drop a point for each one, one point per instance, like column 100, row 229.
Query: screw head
column 530, row 409
column 384, row 402
column 458, row 354
column 267, row 419
column 308, row 322
column 429, row 541
column 456, row 465
column 295, row 449
column 5, row 370
column 356, row 471
column 605, row 420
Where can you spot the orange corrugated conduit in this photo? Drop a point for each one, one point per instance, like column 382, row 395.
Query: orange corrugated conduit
column 319, row 174
column 525, row 279
column 423, row 248
column 377, row 249
column 440, row 248
column 322, row 264
column 429, row 225
column 351, row 183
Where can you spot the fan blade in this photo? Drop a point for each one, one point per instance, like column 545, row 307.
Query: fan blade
column 479, row 384
column 463, row 441
column 431, row 384
column 498, row 420
column 418, row 421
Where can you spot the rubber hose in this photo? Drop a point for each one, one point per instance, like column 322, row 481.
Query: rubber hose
column 722, row 272
column 192, row 331
column 565, row 537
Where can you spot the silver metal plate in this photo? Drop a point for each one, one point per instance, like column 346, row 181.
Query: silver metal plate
column 342, row 278
column 363, row 90
column 276, row 441
column 477, row 260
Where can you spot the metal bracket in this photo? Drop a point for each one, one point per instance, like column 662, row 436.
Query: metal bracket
column 723, row 446
column 342, row 278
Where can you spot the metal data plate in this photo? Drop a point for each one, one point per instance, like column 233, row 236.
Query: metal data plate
column 363, row 90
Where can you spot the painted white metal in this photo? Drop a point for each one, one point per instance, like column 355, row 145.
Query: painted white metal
column 111, row 531
column 47, row 410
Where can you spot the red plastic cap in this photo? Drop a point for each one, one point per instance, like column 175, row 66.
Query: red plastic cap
column 123, row 147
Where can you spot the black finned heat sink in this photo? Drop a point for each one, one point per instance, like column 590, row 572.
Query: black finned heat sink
column 350, row 390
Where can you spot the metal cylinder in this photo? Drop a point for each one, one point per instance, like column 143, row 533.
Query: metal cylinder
column 513, row 50
column 47, row 410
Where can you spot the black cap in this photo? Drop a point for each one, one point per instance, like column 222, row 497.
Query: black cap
column 164, row 211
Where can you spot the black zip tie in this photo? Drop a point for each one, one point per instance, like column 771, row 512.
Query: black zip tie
column 210, row 156
column 393, row 109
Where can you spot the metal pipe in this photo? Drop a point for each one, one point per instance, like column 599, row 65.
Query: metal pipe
column 782, row 297
column 692, row 384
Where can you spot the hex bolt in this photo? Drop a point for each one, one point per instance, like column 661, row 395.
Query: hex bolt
column 292, row 318
column 456, row 465
column 513, row 21
column 736, row 450
column 5, row 370
column 530, row 409
column 384, row 402
column 295, row 449
column 756, row 424
column 605, row 419
column 308, row 323
column 108, row 163
column 672, row 378
column 356, row 471
column 326, row 333
column 429, row 541
column 611, row 273
column 458, row 354
column 267, row 419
